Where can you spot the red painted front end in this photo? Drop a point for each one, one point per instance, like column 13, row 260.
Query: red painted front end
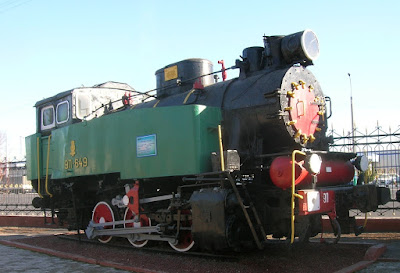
column 333, row 172
column 322, row 201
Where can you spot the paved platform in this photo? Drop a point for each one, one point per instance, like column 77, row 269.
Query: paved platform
column 389, row 262
column 14, row 259
column 381, row 257
column 19, row 260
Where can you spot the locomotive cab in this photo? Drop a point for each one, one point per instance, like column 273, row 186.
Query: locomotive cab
column 61, row 111
column 76, row 105
column 54, row 112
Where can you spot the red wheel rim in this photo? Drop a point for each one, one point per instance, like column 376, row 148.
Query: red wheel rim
column 144, row 222
column 185, row 239
column 103, row 213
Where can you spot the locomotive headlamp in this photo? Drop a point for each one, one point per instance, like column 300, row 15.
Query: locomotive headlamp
column 125, row 200
column 313, row 163
column 361, row 163
column 300, row 47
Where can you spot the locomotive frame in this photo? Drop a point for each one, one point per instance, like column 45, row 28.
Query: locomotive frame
column 220, row 165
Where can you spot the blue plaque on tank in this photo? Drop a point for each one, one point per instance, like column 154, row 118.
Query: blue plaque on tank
column 146, row 146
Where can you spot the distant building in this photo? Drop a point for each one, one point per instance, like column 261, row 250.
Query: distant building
column 13, row 174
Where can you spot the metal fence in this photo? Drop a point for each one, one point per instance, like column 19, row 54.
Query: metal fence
column 382, row 148
column 16, row 192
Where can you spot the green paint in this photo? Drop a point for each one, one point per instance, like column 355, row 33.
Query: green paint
column 137, row 143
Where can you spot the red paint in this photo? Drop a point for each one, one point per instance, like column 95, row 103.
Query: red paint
column 198, row 84
column 30, row 221
column 126, row 99
column 102, row 212
column 332, row 173
column 281, row 172
column 133, row 195
column 304, row 110
column 224, row 74
column 326, row 203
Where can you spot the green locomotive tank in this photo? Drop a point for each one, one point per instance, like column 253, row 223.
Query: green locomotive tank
column 136, row 144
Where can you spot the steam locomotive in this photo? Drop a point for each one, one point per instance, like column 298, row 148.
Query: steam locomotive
column 199, row 161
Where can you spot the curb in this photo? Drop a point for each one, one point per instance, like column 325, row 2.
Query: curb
column 29, row 221
column 374, row 252
column 77, row 258
column 371, row 255
column 389, row 260
column 373, row 224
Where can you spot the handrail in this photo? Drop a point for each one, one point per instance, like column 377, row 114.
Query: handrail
column 38, row 165
column 155, row 104
column 188, row 95
column 221, row 148
column 294, row 194
column 47, row 167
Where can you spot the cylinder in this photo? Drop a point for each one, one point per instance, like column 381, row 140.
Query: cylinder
column 281, row 172
column 254, row 55
column 333, row 172
column 179, row 77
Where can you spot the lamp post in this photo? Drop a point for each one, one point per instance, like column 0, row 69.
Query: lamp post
column 352, row 117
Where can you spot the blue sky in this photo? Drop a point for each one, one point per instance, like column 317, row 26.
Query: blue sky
column 52, row 46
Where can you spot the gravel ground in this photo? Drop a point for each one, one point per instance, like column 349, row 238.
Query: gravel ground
column 309, row 258
column 277, row 257
column 312, row 257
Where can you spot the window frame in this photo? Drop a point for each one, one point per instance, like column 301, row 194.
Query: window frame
column 68, row 113
column 50, row 126
column 78, row 103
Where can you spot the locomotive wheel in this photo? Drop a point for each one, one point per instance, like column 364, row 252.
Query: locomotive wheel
column 185, row 239
column 144, row 222
column 103, row 213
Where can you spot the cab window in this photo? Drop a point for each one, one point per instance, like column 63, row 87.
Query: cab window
column 62, row 112
column 47, row 117
column 83, row 106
